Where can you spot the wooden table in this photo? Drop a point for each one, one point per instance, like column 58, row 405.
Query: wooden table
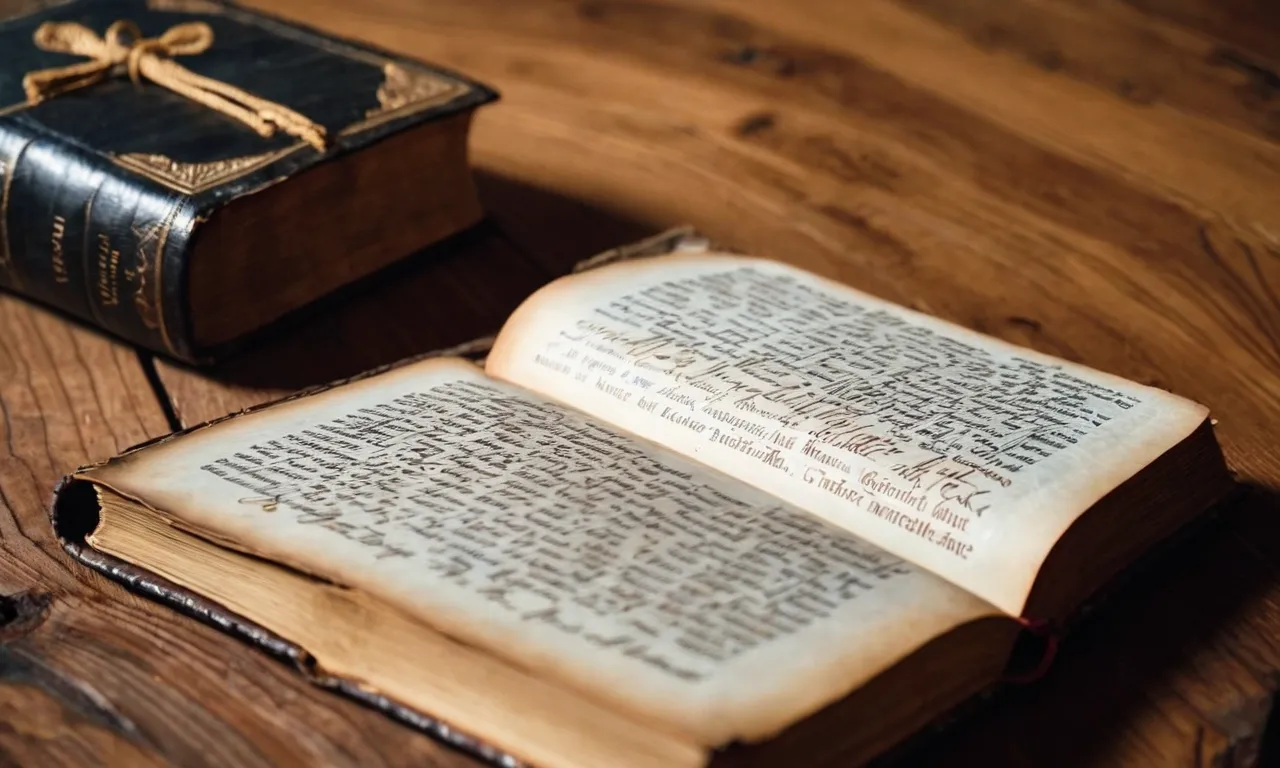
column 1097, row 179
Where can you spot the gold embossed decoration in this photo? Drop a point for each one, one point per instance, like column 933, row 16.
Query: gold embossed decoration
column 404, row 91
column 402, row 87
column 193, row 178
column 208, row 7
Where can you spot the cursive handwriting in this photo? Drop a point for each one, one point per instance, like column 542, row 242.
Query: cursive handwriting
column 557, row 521
column 826, row 392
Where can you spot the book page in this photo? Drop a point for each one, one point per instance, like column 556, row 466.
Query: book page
column 514, row 524
column 959, row 452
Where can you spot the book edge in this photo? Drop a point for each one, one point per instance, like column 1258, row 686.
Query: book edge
column 191, row 604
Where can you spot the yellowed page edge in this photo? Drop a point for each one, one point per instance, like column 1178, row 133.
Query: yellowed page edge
column 505, row 707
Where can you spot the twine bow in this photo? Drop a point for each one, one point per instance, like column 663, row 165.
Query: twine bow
column 151, row 58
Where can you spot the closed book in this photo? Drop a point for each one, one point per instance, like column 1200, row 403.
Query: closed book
column 182, row 173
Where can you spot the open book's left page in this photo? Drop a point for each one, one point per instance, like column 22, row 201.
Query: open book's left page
column 645, row 581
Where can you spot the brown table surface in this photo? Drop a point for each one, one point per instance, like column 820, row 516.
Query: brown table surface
column 1097, row 179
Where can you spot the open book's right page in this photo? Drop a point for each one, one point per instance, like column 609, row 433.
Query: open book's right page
column 960, row 452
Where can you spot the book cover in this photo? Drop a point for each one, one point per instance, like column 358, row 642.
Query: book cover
column 103, row 185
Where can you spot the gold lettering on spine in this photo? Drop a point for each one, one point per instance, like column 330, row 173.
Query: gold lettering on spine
column 148, row 290
column 141, row 296
column 91, row 256
column 57, row 259
column 108, row 270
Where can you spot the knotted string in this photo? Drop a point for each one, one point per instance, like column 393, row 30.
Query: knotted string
column 151, row 58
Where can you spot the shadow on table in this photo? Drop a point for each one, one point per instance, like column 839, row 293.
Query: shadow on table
column 450, row 293
column 1191, row 621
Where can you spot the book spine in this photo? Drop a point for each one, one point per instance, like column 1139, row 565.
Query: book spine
column 82, row 235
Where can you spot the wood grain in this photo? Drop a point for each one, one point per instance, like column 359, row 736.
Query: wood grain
column 92, row 675
column 1096, row 179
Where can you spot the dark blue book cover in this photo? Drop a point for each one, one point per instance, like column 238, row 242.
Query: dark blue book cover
column 103, row 184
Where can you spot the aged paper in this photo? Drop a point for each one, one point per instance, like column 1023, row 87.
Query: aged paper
column 959, row 452
column 551, row 539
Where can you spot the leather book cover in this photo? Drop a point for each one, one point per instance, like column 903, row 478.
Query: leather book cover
column 103, row 185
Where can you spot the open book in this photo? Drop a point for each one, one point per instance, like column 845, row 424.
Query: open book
column 697, row 508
